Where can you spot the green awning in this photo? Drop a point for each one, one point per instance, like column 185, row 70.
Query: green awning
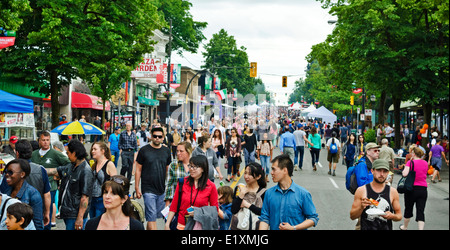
column 147, row 101
column 18, row 88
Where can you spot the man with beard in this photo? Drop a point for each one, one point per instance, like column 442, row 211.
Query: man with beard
column 152, row 163
column 377, row 204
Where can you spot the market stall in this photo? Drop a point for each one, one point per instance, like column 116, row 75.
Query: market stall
column 16, row 117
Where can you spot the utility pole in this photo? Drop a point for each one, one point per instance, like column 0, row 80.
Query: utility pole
column 169, row 76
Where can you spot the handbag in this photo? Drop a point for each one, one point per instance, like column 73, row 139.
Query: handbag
column 245, row 219
column 174, row 222
column 406, row 183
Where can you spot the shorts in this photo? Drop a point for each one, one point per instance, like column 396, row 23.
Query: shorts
column 436, row 162
column 333, row 157
column 154, row 204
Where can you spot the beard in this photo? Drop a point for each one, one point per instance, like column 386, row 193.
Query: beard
column 379, row 180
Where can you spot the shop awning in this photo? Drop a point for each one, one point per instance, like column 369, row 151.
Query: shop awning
column 86, row 101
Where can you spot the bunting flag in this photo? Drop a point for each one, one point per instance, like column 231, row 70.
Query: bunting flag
column 221, row 94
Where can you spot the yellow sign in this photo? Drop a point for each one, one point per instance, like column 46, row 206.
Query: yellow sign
column 352, row 100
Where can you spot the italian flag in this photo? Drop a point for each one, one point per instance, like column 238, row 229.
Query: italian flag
column 221, row 94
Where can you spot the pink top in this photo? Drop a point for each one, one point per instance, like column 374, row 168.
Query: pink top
column 421, row 169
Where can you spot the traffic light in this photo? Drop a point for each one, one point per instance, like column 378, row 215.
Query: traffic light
column 352, row 100
column 284, row 81
column 253, row 67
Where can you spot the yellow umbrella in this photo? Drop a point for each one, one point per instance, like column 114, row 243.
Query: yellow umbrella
column 78, row 128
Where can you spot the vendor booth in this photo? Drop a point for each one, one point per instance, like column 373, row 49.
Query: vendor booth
column 16, row 117
column 323, row 113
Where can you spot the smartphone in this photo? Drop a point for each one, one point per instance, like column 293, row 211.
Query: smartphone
column 190, row 209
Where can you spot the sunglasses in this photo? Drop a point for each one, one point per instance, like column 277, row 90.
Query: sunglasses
column 118, row 180
column 157, row 136
column 10, row 172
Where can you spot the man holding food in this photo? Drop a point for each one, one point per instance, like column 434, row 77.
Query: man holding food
column 377, row 204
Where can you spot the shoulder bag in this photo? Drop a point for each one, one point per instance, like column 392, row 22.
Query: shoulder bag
column 406, row 183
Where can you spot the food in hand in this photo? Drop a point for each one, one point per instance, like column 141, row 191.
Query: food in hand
column 374, row 202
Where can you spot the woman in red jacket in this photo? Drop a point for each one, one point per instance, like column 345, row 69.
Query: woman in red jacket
column 197, row 191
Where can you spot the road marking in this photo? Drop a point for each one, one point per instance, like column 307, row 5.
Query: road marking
column 320, row 165
column 237, row 180
column 333, row 182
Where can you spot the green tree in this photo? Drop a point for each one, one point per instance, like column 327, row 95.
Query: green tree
column 60, row 40
column 121, row 40
column 187, row 33
column 229, row 62
column 390, row 46
column 10, row 13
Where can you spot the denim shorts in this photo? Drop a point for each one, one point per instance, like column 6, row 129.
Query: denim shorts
column 436, row 162
column 154, row 204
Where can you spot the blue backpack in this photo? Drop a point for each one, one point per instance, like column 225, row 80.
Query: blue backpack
column 350, row 180
column 333, row 147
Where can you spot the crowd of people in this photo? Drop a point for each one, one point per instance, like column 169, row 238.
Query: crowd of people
column 175, row 171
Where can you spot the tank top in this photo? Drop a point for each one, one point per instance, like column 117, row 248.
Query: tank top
column 375, row 222
column 99, row 178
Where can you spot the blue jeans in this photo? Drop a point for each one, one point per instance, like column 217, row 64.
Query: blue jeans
column 249, row 157
column 97, row 207
column 52, row 196
column 116, row 157
column 233, row 165
column 300, row 150
column 70, row 223
column 265, row 163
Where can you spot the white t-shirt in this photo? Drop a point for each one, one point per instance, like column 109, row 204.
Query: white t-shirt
column 143, row 141
column 338, row 144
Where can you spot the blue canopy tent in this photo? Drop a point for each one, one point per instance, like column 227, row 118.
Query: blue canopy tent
column 12, row 105
column 15, row 104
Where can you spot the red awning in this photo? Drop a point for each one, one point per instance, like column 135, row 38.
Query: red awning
column 86, row 101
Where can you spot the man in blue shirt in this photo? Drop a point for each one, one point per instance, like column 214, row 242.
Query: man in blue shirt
column 114, row 145
column 287, row 206
column 287, row 143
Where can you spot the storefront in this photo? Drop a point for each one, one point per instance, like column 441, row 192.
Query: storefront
column 88, row 105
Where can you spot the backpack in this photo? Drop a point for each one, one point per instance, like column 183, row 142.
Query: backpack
column 333, row 147
column 350, row 180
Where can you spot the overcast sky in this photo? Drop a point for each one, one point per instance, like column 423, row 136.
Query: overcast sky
column 278, row 34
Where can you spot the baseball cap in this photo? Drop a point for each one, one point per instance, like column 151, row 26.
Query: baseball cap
column 299, row 125
column 380, row 164
column 371, row 145
column 13, row 139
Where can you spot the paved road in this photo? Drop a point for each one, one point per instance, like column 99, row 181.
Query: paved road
column 333, row 201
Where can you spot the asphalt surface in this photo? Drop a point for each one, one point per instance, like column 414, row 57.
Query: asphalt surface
column 333, row 201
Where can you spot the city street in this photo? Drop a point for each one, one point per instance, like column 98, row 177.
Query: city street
column 333, row 201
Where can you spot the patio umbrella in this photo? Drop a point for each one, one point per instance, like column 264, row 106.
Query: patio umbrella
column 78, row 128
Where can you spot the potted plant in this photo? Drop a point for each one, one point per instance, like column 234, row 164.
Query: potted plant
column 167, row 94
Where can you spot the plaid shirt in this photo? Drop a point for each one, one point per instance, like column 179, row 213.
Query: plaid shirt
column 128, row 141
column 176, row 171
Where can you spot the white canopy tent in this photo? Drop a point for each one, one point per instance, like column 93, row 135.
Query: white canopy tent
column 295, row 106
column 326, row 115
